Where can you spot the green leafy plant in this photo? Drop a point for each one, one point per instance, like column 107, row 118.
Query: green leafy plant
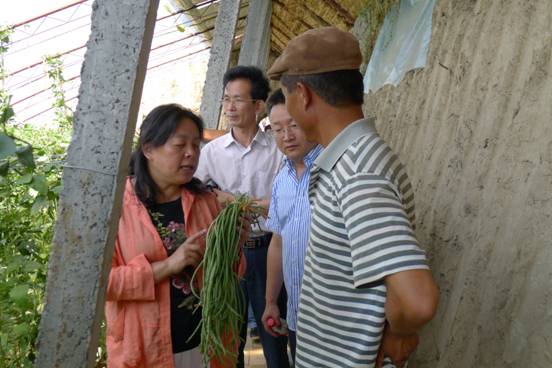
column 64, row 115
column 30, row 180
column 29, row 187
column 31, row 163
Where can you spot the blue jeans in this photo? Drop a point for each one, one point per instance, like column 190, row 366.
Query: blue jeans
column 254, row 286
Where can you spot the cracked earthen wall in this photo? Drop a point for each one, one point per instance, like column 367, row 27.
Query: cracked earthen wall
column 474, row 129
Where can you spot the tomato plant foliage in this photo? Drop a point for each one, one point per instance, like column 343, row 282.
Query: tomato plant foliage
column 31, row 163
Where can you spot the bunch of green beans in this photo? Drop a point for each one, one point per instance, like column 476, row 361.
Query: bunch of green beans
column 221, row 296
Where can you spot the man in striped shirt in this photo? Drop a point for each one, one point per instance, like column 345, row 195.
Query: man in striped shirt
column 288, row 216
column 366, row 287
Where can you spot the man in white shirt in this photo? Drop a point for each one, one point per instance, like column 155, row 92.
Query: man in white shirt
column 245, row 161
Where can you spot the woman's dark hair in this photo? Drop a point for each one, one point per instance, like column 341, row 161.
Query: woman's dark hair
column 158, row 126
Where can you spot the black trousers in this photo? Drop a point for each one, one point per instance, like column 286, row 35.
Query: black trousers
column 254, row 287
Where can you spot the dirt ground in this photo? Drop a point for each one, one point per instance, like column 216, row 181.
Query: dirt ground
column 254, row 357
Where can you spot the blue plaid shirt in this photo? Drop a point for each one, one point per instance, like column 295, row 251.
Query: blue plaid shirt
column 289, row 216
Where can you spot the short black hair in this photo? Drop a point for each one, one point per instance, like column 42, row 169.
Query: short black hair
column 259, row 83
column 156, row 129
column 337, row 88
column 276, row 98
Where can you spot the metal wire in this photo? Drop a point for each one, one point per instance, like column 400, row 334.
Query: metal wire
column 205, row 16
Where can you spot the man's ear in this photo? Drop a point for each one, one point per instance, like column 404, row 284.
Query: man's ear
column 304, row 95
column 260, row 107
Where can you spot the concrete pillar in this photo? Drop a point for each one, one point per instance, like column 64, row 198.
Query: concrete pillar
column 93, row 180
column 256, row 42
column 223, row 39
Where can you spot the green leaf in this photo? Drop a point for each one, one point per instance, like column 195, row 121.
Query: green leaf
column 27, row 363
column 48, row 167
column 25, row 156
column 3, row 340
column 25, row 179
column 181, row 28
column 19, row 293
column 40, row 203
column 21, row 329
column 4, row 166
column 40, row 184
column 7, row 146
column 52, row 196
column 15, row 262
column 56, row 189
column 7, row 114
column 32, row 266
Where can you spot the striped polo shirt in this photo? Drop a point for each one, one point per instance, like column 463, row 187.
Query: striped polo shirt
column 361, row 231
column 289, row 217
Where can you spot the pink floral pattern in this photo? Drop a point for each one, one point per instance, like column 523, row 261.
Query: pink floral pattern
column 173, row 236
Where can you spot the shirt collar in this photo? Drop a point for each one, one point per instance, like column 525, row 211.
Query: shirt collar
column 261, row 138
column 309, row 157
column 337, row 147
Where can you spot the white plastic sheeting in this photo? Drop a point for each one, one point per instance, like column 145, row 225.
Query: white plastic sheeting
column 402, row 43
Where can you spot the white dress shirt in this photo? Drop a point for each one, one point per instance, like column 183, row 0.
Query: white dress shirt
column 238, row 169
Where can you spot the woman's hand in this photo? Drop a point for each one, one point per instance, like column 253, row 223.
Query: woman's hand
column 189, row 253
column 224, row 197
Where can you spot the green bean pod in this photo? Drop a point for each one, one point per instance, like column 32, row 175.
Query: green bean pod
column 221, row 297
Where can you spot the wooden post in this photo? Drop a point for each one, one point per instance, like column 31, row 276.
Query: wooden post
column 93, row 181
column 223, row 39
column 256, row 42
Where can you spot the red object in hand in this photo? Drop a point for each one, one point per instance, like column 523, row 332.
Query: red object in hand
column 281, row 329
